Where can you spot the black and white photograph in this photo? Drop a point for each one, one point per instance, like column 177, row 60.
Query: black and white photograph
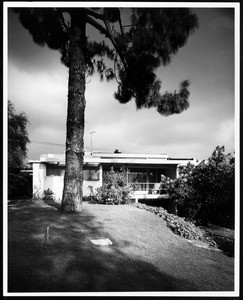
column 121, row 149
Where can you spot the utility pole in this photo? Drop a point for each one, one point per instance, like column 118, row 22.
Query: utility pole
column 91, row 141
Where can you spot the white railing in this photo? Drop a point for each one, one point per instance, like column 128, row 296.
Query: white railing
column 147, row 186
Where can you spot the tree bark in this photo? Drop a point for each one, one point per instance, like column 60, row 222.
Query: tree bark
column 73, row 179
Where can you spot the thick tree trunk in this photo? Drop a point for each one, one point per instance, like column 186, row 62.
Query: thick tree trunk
column 73, row 179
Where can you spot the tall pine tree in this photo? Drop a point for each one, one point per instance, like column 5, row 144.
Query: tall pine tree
column 137, row 49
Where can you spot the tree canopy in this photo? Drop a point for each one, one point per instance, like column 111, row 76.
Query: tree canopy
column 206, row 192
column 137, row 49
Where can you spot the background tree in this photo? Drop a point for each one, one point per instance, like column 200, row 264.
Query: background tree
column 206, row 192
column 136, row 49
column 17, row 149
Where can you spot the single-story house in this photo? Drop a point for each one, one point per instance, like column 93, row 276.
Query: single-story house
column 144, row 169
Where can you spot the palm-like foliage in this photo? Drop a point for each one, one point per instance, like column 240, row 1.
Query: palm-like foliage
column 137, row 49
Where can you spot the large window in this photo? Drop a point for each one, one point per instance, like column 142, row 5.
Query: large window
column 152, row 175
column 137, row 175
column 54, row 170
column 91, row 173
column 149, row 175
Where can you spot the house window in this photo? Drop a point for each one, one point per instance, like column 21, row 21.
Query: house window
column 152, row 175
column 137, row 175
column 53, row 170
column 91, row 173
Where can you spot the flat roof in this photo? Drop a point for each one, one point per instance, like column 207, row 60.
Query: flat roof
column 115, row 158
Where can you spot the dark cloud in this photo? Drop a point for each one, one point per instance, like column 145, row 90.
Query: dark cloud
column 24, row 52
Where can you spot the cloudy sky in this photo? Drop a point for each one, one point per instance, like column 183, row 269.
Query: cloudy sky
column 37, row 85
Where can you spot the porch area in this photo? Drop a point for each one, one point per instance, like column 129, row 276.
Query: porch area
column 149, row 190
column 146, row 178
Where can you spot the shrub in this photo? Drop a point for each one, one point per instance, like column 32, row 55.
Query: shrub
column 48, row 195
column 19, row 185
column 205, row 193
column 115, row 189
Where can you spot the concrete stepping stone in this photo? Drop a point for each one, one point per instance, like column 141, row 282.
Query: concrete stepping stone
column 102, row 242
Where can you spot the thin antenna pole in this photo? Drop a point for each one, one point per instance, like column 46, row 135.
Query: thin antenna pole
column 91, row 141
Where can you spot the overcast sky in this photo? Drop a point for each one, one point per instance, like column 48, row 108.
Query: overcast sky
column 37, row 85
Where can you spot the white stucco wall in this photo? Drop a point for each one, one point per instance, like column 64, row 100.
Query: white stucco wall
column 39, row 175
column 42, row 182
column 55, row 184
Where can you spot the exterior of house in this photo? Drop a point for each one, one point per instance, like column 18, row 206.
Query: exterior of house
column 144, row 169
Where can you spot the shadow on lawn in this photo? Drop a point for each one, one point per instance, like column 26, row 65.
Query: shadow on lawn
column 69, row 262
column 53, row 203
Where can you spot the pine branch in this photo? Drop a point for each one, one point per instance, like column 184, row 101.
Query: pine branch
column 97, row 26
column 120, row 24
column 94, row 14
column 115, row 45
column 107, row 32
column 115, row 60
column 131, row 25
column 63, row 21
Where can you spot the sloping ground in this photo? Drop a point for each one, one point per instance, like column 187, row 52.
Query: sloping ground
column 144, row 256
column 223, row 236
column 212, row 236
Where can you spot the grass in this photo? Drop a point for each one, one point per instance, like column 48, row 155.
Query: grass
column 145, row 255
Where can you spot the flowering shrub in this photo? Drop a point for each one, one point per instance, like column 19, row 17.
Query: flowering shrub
column 205, row 193
column 180, row 226
column 115, row 189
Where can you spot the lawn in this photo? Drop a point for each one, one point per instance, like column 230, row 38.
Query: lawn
column 144, row 256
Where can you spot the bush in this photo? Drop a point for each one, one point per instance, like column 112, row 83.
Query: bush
column 205, row 193
column 48, row 195
column 115, row 189
column 19, row 185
